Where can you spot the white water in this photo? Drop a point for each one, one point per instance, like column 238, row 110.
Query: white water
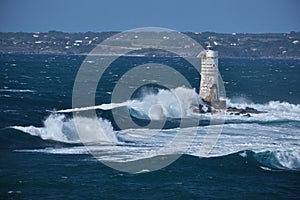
column 173, row 103
column 283, row 142
column 275, row 110
column 101, row 107
column 288, row 159
column 59, row 128
column 17, row 90
column 245, row 134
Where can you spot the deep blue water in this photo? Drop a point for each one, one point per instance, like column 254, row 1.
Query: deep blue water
column 42, row 157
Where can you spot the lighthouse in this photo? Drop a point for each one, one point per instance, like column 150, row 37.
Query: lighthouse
column 209, row 84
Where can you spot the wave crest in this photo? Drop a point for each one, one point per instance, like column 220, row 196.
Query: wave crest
column 58, row 127
column 275, row 160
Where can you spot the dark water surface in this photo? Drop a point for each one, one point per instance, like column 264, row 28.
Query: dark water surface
column 41, row 156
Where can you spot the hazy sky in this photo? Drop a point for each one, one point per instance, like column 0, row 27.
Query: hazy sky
column 226, row 16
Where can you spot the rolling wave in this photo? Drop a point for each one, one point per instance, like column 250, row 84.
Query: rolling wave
column 273, row 144
column 266, row 160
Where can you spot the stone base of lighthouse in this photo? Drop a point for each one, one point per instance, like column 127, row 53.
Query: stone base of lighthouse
column 218, row 104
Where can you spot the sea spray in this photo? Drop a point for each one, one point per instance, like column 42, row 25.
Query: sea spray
column 54, row 129
column 247, row 134
column 100, row 107
column 58, row 127
column 274, row 110
column 175, row 103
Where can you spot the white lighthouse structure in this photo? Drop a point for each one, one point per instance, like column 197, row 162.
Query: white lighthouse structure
column 209, row 84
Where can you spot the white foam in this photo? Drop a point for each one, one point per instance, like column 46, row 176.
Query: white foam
column 101, row 107
column 95, row 131
column 50, row 150
column 247, row 134
column 265, row 168
column 17, row 90
column 255, row 137
column 288, row 159
column 275, row 110
column 58, row 128
column 178, row 103
column 258, row 138
column 175, row 103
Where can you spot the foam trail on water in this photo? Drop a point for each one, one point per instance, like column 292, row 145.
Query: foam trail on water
column 100, row 107
column 62, row 150
column 18, row 90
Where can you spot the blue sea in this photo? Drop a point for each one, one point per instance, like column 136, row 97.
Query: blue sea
column 42, row 156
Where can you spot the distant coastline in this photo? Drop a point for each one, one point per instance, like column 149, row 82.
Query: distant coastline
column 235, row 45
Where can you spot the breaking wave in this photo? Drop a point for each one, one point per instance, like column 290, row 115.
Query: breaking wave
column 175, row 103
column 275, row 160
column 272, row 146
column 179, row 103
column 275, row 110
column 59, row 128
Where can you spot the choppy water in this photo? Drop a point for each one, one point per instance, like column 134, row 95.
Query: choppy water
column 42, row 155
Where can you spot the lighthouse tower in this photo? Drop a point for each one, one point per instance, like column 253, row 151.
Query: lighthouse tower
column 209, row 84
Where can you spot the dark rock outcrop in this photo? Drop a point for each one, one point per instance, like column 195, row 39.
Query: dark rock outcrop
column 205, row 108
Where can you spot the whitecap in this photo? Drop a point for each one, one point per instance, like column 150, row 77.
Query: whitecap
column 17, row 90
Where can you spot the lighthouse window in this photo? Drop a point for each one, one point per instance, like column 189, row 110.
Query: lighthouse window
column 214, row 65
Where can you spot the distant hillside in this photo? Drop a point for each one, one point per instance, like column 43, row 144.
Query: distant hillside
column 279, row 45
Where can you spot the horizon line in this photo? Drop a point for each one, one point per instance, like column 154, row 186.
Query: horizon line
column 129, row 30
